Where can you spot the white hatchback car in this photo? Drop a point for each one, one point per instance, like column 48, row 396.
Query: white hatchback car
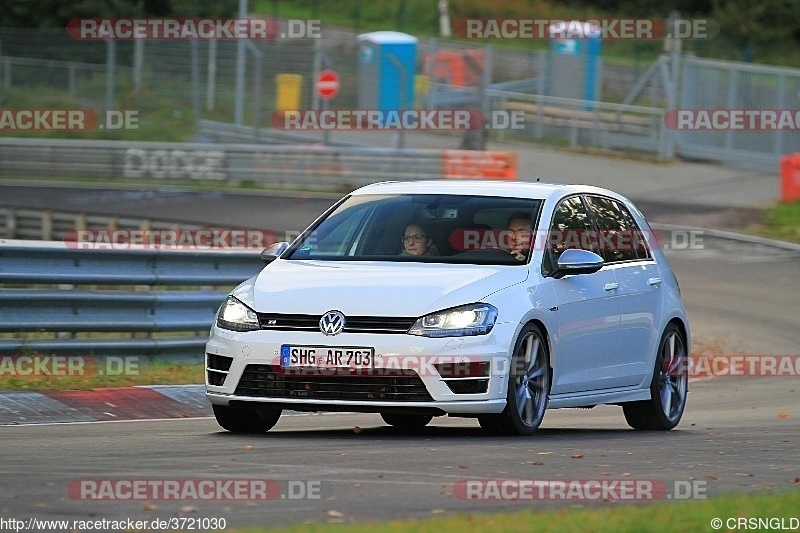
column 493, row 300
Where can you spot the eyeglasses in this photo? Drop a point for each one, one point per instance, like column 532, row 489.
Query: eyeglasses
column 413, row 238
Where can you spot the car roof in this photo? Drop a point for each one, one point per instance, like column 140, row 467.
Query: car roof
column 513, row 189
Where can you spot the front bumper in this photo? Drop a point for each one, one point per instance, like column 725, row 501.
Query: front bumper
column 399, row 352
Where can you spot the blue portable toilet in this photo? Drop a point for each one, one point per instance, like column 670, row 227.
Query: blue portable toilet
column 574, row 65
column 387, row 62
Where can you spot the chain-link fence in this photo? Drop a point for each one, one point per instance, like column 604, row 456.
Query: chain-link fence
column 743, row 87
column 181, row 88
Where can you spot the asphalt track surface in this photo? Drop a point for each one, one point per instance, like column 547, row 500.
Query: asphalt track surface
column 738, row 433
column 731, row 439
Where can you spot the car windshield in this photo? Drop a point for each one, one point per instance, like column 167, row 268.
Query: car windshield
column 435, row 228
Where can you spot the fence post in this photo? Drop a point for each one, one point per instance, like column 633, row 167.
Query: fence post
column 111, row 52
column 138, row 61
column 486, row 80
column 193, row 48
column 257, row 97
column 47, row 226
column 781, row 101
column 71, row 80
column 212, row 74
column 317, row 68
column 80, row 222
column 240, row 59
column 732, row 94
column 430, row 70
column 538, row 127
column 11, row 224
column 7, row 73
column 671, row 88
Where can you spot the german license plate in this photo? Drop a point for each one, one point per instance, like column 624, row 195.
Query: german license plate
column 326, row 356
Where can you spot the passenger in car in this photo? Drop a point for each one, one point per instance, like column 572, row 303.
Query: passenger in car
column 520, row 229
column 417, row 241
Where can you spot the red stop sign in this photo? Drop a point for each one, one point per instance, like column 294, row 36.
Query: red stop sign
column 327, row 84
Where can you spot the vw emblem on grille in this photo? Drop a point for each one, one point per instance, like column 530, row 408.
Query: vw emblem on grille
column 331, row 323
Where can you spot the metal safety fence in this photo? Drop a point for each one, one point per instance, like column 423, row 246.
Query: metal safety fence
column 708, row 84
column 320, row 167
column 172, row 82
column 104, row 302
column 45, row 225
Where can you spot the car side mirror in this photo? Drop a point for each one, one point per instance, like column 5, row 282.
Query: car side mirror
column 270, row 254
column 576, row 261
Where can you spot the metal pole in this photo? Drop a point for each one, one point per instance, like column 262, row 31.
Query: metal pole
column 212, row 74
column 732, row 94
column 257, row 56
column 193, row 48
column 71, row 79
column 486, row 80
column 781, row 103
column 317, row 68
column 138, row 61
column 111, row 47
column 240, row 60
column 431, row 73
column 326, row 133
column 402, row 102
column 672, row 101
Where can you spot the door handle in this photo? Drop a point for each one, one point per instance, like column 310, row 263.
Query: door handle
column 655, row 282
column 611, row 286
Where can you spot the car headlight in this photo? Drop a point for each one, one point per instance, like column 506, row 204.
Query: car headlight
column 236, row 316
column 474, row 319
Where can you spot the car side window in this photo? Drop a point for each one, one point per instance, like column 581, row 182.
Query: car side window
column 571, row 228
column 619, row 238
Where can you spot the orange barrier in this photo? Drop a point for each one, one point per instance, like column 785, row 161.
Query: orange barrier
column 461, row 68
column 478, row 164
column 790, row 177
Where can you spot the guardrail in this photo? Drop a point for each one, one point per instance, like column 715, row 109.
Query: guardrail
column 323, row 167
column 45, row 225
column 585, row 122
column 118, row 322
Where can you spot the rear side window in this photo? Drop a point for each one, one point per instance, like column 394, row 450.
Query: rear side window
column 619, row 238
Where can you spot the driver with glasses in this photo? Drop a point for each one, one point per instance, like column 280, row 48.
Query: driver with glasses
column 417, row 241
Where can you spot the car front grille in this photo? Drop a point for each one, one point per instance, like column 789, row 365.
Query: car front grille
column 271, row 381
column 353, row 324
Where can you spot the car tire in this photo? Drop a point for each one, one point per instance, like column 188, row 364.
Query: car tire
column 668, row 388
column 528, row 387
column 246, row 420
column 406, row 421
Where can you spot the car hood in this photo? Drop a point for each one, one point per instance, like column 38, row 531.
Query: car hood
column 376, row 288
